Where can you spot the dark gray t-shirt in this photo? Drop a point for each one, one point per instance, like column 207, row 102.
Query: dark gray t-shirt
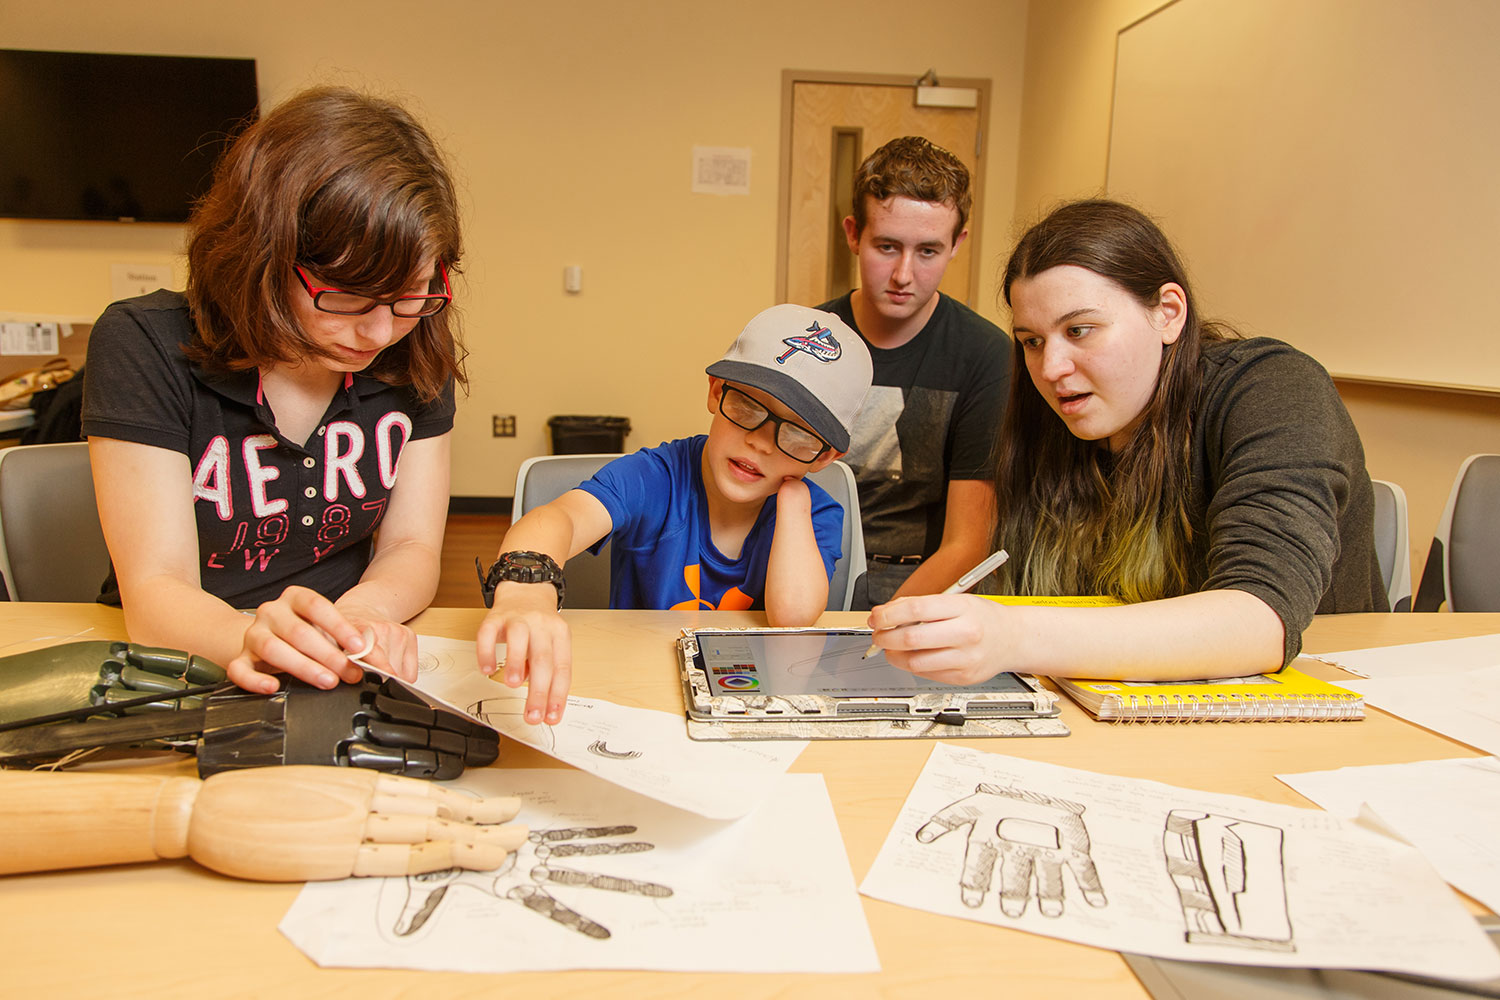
column 931, row 416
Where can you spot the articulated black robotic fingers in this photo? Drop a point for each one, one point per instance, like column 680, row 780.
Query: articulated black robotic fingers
column 76, row 676
column 90, row 694
column 378, row 723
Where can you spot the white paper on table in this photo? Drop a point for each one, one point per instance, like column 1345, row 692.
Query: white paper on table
column 1448, row 809
column 1180, row 873
column 637, row 748
column 1422, row 659
column 1464, row 706
column 771, row 892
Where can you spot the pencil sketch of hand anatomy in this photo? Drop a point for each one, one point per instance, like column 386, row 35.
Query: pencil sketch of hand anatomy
column 1229, row 873
column 522, row 879
column 1191, row 875
column 1032, row 835
column 611, row 879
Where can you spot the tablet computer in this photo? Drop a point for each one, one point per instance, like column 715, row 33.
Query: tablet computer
column 818, row 673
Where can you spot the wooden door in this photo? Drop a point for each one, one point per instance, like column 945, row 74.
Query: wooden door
column 829, row 126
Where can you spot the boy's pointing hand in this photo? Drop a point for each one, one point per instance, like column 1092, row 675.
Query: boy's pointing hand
column 538, row 647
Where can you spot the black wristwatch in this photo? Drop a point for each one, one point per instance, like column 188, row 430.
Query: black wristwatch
column 520, row 567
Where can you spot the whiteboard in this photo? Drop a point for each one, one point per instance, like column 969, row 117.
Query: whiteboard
column 1330, row 170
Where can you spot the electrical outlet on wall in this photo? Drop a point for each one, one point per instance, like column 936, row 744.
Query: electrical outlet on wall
column 503, row 427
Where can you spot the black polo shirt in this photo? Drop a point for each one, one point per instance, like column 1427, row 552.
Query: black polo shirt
column 271, row 512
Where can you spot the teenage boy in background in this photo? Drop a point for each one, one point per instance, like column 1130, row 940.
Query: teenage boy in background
column 921, row 451
column 722, row 521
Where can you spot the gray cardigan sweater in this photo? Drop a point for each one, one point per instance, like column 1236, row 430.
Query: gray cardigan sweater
column 1281, row 503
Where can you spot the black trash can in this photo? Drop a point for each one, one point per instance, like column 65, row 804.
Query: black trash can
column 585, row 435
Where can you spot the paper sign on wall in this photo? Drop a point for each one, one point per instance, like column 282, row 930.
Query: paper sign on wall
column 721, row 170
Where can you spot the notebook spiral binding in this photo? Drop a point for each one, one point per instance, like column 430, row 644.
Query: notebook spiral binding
column 1232, row 708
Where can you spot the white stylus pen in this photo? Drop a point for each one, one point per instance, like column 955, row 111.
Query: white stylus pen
column 962, row 584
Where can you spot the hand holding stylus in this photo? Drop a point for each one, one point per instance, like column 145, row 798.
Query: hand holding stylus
column 962, row 585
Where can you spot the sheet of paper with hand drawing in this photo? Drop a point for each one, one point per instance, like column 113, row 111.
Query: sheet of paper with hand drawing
column 612, row 880
column 1447, row 809
column 1140, row 866
column 640, row 749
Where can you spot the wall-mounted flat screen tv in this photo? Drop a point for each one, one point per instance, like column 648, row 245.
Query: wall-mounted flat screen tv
column 118, row 137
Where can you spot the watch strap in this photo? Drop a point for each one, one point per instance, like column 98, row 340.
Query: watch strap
column 520, row 566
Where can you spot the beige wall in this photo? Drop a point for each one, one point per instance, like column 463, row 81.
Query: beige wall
column 1070, row 71
column 1414, row 437
column 571, row 127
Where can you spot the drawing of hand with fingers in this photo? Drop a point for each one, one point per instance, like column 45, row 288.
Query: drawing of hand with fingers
column 526, row 874
column 1033, row 836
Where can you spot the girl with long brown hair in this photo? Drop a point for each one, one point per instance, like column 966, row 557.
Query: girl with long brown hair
column 1212, row 484
column 250, row 436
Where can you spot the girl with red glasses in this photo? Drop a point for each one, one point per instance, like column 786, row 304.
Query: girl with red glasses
column 250, row 435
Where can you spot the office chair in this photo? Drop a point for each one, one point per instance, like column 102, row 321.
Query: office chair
column 1461, row 565
column 838, row 481
column 1391, row 543
column 547, row 477
column 543, row 479
column 51, row 545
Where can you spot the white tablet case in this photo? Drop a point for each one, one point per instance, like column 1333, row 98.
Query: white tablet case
column 950, row 709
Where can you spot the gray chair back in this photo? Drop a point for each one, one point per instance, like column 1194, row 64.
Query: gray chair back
column 51, row 545
column 1463, row 565
column 541, row 480
column 838, row 481
column 546, row 477
column 1392, row 544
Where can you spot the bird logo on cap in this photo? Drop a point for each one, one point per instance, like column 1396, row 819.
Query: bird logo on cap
column 821, row 344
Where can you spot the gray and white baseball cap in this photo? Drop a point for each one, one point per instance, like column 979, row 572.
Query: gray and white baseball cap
column 809, row 360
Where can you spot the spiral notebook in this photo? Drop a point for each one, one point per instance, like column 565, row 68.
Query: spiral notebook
column 1288, row 695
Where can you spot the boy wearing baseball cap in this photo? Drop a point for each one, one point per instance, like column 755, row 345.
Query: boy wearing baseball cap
column 721, row 521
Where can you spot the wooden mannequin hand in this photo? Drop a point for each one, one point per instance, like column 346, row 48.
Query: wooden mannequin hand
column 273, row 824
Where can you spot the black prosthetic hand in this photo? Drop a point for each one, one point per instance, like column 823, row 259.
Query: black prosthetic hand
column 84, row 695
column 378, row 723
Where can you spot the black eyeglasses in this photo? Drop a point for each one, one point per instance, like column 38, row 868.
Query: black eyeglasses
column 793, row 440
column 342, row 303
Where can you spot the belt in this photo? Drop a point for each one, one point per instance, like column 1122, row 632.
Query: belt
column 894, row 560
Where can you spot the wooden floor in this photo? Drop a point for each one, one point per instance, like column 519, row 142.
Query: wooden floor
column 468, row 535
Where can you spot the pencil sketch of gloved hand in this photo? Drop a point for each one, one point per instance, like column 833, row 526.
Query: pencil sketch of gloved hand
column 1033, row 836
column 515, row 882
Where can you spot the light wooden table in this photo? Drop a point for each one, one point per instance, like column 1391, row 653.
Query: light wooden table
column 175, row 930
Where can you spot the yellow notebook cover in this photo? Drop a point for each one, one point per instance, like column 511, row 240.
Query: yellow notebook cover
column 1288, row 695
column 1054, row 602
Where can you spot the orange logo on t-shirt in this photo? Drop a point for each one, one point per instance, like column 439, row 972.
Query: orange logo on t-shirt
column 734, row 598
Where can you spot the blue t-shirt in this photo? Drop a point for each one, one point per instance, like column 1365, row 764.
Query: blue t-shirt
column 664, row 558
